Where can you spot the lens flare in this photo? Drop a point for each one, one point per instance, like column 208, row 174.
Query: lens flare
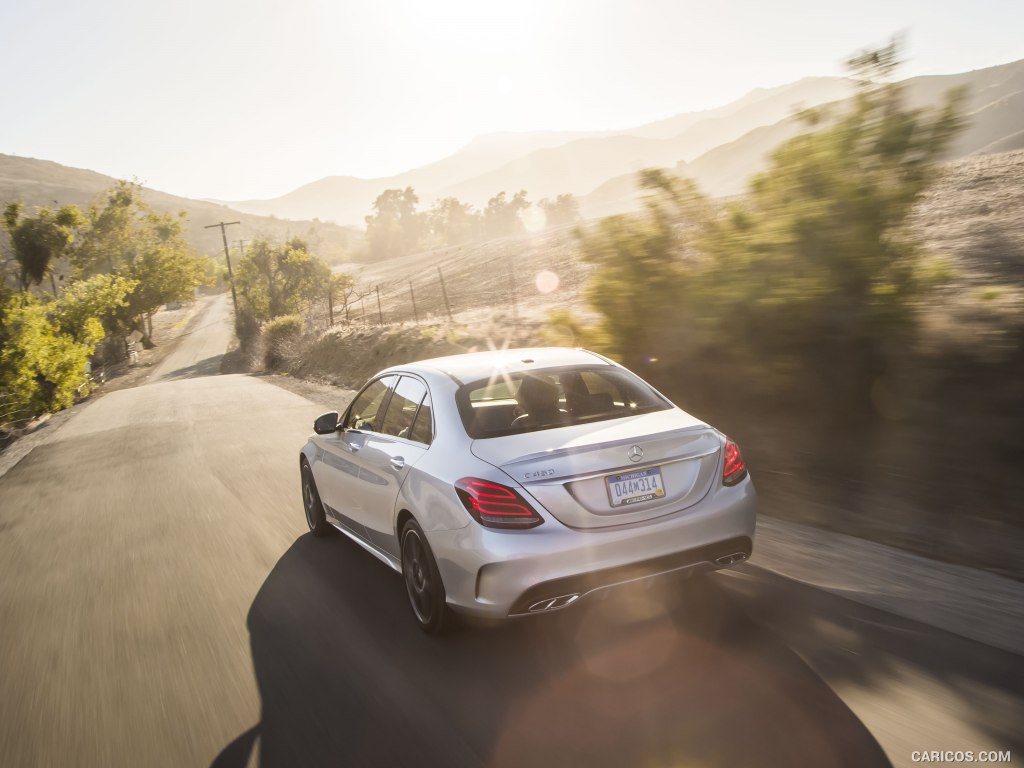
column 546, row 281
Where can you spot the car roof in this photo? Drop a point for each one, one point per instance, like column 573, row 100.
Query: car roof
column 479, row 365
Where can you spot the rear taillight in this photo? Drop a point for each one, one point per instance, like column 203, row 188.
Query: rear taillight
column 734, row 469
column 495, row 505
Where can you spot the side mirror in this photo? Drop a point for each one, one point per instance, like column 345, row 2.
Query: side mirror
column 326, row 423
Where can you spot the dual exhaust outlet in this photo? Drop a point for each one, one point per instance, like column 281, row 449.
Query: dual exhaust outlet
column 552, row 603
column 735, row 557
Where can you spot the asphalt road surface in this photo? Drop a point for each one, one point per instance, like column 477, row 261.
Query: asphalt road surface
column 161, row 604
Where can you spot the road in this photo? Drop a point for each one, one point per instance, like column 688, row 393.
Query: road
column 203, row 347
column 162, row 604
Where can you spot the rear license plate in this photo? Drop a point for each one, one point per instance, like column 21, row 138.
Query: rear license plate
column 634, row 487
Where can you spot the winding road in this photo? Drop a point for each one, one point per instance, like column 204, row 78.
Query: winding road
column 162, row 604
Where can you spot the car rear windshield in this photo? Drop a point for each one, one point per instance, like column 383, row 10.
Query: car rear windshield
column 530, row 401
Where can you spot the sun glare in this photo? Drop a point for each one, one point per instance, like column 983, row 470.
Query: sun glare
column 499, row 371
column 533, row 219
column 546, row 281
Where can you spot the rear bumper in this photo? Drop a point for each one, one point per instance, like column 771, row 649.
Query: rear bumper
column 506, row 573
column 559, row 593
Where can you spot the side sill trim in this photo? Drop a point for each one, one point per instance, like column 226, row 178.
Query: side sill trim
column 385, row 558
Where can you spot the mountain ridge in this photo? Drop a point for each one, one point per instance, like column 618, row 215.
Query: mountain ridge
column 349, row 199
column 720, row 148
column 37, row 183
column 548, row 163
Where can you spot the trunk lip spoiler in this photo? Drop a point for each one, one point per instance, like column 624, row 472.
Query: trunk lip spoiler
column 612, row 470
column 557, row 453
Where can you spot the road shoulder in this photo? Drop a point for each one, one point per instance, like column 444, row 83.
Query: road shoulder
column 965, row 601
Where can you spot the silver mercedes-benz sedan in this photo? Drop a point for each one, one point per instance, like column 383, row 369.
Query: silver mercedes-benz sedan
column 519, row 481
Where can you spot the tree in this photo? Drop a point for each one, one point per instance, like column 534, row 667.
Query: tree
column 394, row 229
column 126, row 263
column 809, row 281
column 45, row 345
column 38, row 241
column 280, row 280
column 562, row 212
column 111, row 235
column 125, row 237
column 83, row 305
column 164, row 268
column 453, row 222
column 819, row 247
column 342, row 289
column 642, row 279
column 501, row 216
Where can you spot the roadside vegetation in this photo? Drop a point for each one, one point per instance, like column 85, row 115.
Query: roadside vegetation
column 812, row 318
column 282, row 290
column 74, row 285
column 801, row 317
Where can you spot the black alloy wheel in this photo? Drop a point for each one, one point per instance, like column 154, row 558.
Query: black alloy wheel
column 423, row 581
column 314, row 509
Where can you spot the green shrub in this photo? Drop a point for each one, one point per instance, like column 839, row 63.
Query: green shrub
column 565, row 329
column 40, row 368
column 247, row 328
column 281, row 337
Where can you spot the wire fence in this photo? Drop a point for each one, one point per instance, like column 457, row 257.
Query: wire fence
column 499, row 277
column 12, row 414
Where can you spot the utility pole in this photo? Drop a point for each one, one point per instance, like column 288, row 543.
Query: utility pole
column 227, row 256
column 241, row 246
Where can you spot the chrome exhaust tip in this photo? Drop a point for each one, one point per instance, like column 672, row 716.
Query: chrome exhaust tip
column 552, row 603
column 735, row 557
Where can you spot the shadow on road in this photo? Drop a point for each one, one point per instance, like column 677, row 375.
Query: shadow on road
column 208, row 367
column 346, row 679
column 930, row 680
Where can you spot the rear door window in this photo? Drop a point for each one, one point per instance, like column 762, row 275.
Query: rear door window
column 423, row 428
column 405, row 402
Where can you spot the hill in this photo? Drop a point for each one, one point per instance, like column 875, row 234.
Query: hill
column 972, row 218
column 993, row 110
column 37, row 183
column 721, row 147
column 553, row 162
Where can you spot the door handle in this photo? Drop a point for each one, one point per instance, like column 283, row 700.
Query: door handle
column 397, row 462
column 354, row 447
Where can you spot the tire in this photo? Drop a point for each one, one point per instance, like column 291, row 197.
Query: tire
column 315, row 518
column 423, row 584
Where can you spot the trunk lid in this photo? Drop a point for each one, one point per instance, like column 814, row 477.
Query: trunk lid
column 612, row 473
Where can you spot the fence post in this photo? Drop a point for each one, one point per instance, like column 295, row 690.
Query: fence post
column 512, row 288
column 444, row 292
column 380, row 312
column 412, row 296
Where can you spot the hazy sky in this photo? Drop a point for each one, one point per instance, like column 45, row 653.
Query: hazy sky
column 235, row 99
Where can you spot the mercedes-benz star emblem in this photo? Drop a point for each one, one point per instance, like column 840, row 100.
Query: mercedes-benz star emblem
column 635, row 453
